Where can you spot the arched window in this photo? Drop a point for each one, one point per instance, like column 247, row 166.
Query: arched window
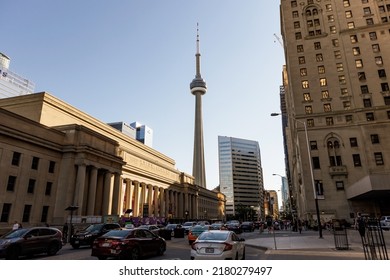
column 334, row 154
column 313, row 19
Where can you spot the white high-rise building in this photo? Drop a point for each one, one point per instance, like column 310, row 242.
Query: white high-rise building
column 12, row 84
column 241, row 176
column 144, row 133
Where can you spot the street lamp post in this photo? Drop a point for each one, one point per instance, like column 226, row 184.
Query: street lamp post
column 311, row 172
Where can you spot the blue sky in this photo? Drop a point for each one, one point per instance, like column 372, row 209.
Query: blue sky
column 134, row 60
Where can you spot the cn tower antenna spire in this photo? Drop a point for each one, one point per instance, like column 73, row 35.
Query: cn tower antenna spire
column 198, row 88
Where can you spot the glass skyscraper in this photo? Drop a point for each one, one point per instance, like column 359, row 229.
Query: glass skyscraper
column 241, row 177
column 12, row 84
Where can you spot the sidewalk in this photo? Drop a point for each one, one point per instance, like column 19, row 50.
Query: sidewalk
column 309, row 243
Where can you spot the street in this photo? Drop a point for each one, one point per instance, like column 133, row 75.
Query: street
column 177, row 249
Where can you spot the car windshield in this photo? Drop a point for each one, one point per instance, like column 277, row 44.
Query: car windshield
column 199, row 228
column 171, row 226
column 143, row 226
column 117, row 233
column 15, row 233
column 94, row 228
column 211, row 235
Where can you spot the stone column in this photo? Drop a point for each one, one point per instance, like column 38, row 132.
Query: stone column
column 80, row 186
column 172, row 203
column 122, row 187
column 187, row 205
column 162, row 202
column 92, row 191
column 129, row 195
column 155, row 200
column 150, row 200
column 117, row 194
column 107, row 194
column 177, row 206
column 136, row 199
column 143, row 197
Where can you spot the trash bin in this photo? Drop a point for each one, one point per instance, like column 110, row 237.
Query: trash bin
column 340, row 236
column 178, row 232
column 165, row 233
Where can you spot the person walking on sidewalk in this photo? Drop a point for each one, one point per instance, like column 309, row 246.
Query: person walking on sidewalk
column 300, row 226
column 360, row 225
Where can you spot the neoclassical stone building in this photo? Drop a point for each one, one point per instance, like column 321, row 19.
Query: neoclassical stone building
column 53, row 156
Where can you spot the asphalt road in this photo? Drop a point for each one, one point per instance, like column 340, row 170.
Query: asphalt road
column 177, row 249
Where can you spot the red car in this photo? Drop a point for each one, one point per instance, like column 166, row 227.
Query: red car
column 128, row 244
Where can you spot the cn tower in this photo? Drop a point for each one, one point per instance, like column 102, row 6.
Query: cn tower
column 198, row 88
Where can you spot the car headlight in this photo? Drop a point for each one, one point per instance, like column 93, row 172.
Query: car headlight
column 88, row 235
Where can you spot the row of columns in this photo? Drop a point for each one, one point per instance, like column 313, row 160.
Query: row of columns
column 154, row 201
column 97, row 191
column 103, row 192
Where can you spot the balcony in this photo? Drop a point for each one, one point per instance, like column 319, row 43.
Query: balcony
column 338, row 171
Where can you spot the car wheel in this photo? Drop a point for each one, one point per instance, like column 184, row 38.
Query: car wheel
column 134, row 254
column 52, row 249
column 75, row 246
column 13, row 253
column 172, row 233
column 236, row 256
column 161, row 250
column 243, row 255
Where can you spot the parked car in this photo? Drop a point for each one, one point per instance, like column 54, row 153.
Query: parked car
column 247, row 226
column 30, row 241
column 195, row 231
column 218, row 245
column 258, row 224
column 172, row 227
column 385, row 222
column 128, row 244
column 187, row 226
column 235, row 227
column 216, row 226
column 153, row 228
column 86, row 236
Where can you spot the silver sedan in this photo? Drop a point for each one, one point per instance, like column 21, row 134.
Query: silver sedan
column 218, row 245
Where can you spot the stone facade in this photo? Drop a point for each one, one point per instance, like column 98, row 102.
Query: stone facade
column 335, row 84
column 92, row 165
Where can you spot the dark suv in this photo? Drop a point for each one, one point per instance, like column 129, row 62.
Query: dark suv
column 30, row 241
column 86, row 236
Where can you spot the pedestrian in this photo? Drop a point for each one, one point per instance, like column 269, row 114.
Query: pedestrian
column 65, row 231
column 269, row 225
column 16, row 226
column 360, row 225
column 300, row 226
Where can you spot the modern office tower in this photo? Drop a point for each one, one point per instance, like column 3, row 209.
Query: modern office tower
column 124, row 128
column 144, row 134
column 198, row 88
column 337, row 98
column 136, row 131
column 11, row 84
column 241, row 176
